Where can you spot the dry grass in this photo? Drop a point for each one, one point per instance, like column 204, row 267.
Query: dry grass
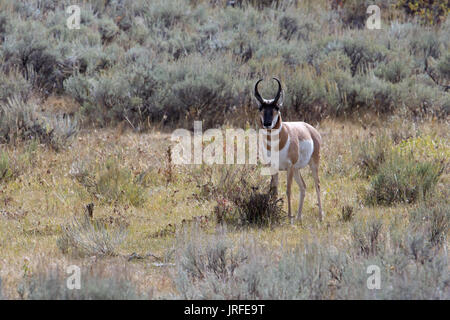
column 45, row 196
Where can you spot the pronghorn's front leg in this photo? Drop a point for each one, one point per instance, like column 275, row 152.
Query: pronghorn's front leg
column 315, row 173
column 290, row 175
column 302, row 185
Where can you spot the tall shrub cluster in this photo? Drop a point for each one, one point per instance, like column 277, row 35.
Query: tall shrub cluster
column 174, row 61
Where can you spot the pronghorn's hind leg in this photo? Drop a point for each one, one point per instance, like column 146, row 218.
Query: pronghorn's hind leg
column 302, row 185
column 315, row 173
column 290, row 175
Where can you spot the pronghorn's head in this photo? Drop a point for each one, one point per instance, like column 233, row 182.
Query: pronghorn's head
column 269, row 110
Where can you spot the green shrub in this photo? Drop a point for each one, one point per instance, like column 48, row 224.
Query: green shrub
column 109, row 183
column 363, row 53
column 294, row 27
column 106, row 99
column 427, row 45
column 260, row 4
column 187, row 94
column 433, row 222
column 6, row 172
column 401, row 179
column 406, row 172
column 304, row 95
column 27, row 47
column 4, row 26
column 166, row 15
column 444, row 66
column 91, row 60
column 14, row 85
column 424, row 148
column 117, row 184
column 370, row 93
column 394, row 71
column 22, row 121
column 78, row 87
column 108, row 30
column 422, row 99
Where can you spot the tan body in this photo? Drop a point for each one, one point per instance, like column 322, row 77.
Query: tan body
column 299, row 146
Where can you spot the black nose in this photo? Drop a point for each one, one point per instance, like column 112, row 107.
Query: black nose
column 267, row 124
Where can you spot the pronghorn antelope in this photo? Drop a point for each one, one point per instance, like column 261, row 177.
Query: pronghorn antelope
column 298, row 146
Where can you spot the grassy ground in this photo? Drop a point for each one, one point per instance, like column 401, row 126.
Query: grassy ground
column 47, row 191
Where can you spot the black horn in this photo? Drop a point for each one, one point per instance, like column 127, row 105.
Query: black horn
column 257, row 95
column 279, row 91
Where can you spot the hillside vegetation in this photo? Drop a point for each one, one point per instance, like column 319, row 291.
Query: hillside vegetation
column 172, row 61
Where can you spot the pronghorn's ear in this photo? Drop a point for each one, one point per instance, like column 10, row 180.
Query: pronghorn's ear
column 279, row 103
column 258, row 103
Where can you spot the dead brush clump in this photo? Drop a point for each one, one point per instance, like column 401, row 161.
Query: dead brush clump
column 244, row 199
column 119, row 184
column 15, row 162
column 347, row 213
column 86, row 236
column 371, row 153
column 433, row 222
column 367, row 236
column 199, row 257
